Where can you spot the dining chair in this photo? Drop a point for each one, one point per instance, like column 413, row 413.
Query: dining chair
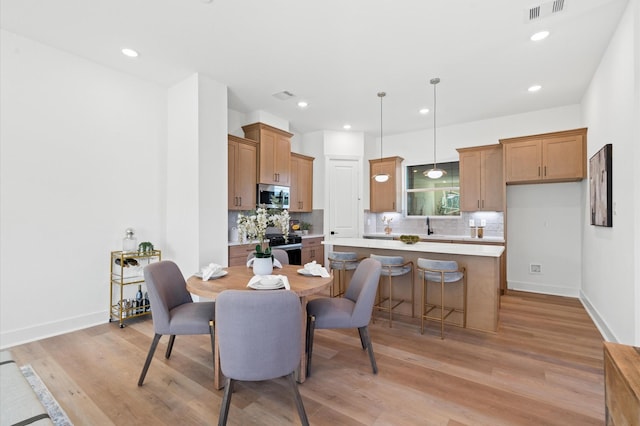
column 259, row 339
column 279, row 254
column 351, row 311
column 173, row 310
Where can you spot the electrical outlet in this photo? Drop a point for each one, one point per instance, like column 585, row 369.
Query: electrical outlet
column 535, row 268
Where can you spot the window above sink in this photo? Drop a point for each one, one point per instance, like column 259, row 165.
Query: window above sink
column 432, row 197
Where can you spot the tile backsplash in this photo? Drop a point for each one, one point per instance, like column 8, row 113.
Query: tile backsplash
column 441, row 225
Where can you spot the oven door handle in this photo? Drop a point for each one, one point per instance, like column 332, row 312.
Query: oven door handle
column 288, row 246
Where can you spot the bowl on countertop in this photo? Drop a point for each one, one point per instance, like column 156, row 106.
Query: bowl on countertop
column 409, row 239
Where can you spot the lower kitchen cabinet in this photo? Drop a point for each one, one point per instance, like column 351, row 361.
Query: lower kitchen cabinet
column 238, row 254
column 312, row 249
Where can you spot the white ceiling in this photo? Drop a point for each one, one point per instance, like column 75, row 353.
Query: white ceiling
column 338, row 54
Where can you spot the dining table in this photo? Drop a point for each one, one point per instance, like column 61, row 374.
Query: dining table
column 237, row 278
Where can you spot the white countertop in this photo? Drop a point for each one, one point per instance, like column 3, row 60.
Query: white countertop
column 438, row 237
column 427, row 247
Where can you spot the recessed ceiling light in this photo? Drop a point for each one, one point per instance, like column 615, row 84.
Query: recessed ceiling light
column 129, row 52
column 534, row 88
column 541, row 35
column 424, row 111
column 347, row 126
column 303, row 104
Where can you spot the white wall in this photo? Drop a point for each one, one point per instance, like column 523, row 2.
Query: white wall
column 610, row 261
column 82, row 158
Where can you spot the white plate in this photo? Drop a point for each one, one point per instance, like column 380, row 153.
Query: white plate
column 267, row 284
column 214, row 276
column 305, row 272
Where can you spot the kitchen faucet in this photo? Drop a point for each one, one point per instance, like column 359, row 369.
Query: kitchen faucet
column 429, row 230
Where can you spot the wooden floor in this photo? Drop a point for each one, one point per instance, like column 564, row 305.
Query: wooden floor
column 543, row 367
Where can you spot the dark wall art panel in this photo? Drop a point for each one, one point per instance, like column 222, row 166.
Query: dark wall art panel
column 600, row 186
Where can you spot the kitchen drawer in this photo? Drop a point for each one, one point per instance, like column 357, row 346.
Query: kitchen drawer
column 238, row 254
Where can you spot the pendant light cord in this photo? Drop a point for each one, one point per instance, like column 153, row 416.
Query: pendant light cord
column 381, row 95
column 434, row 81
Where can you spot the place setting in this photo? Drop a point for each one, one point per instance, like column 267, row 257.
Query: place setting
column 211, row 272
column 269, row 282
column 313, row 269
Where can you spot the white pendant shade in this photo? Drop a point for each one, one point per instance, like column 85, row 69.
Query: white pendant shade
column 435, row 173
column 381, row 178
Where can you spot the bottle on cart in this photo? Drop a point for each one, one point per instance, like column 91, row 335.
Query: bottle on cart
column 129, row 242
column 139, row 305
column 147, row 304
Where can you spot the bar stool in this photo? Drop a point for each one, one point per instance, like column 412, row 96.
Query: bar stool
column 342, row 261
column 393, row 266
column 443, row 272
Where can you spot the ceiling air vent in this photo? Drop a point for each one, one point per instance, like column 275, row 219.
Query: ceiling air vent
column 544, row 10
column 284, row 95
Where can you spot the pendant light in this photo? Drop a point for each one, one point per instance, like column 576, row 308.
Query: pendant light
column 435, row 172
column 381, row 177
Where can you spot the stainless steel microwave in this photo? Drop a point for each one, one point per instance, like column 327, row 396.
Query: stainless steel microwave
column 273, row 196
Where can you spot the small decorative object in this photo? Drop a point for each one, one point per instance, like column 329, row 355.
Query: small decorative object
column 387, row 224
column 600, row 187
column 129, row 242
column 145, row 247
column 255, row 227
column 305, row 226
column 409, row 239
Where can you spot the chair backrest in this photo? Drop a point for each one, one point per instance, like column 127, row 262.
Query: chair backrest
column 343, row 259
column 362, row 290
column 258, row 333
column 438, row 269
column 167, row 289
column 279, row 254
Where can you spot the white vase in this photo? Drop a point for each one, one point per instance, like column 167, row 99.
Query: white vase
column 262, row 265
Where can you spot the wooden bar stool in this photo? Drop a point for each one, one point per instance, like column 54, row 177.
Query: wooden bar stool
column 342, row 261
column 393, row 266
column 442, row 272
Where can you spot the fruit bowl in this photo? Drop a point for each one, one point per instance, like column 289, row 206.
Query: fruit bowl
column 409, row 239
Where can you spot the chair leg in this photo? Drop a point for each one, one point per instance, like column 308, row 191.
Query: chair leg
column 425, row 283
column 363, row 340
column 172, row 339
column 152, row 350
column 298, row 399
column 311, row 328
column 442, row 308
column 213, row 343
column 226, row 402
column 364, row 331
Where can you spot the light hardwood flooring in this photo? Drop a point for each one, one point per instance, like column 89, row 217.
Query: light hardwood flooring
column 543, row 367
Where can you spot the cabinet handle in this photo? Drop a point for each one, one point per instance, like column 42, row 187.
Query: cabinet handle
column 239, row 201
column 478, row 203
column 538, row 170
column 545, row 170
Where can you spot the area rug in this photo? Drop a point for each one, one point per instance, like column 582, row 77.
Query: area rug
column 57, row 414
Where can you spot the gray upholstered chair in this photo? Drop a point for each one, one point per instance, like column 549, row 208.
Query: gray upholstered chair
column 279, row 254
column 394, row 266
column 258, row 339
column 351, row 311
column 342, row 261
column 443, row 272
column 173, row 309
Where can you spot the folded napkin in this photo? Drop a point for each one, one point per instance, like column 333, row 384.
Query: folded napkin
column 254, row 282
column 210, row 270
column 315, row 269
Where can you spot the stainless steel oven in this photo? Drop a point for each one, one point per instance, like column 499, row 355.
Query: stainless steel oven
column 293, row 247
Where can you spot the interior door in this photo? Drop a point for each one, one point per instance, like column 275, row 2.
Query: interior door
column 343, row 198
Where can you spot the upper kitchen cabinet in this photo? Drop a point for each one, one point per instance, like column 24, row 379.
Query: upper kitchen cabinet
column 274, row 153
column 481, row 179
column 386, row 196
column 301, row 183
column 549, row 157
column 242, row 160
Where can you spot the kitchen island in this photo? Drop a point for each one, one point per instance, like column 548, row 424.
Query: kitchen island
column 482, row 264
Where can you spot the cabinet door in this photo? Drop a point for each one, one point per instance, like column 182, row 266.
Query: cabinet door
column 523, row 161
column 267, row 164
column 282, row 160
column 312, row 249
column 384, row 196
column 294, row 188
column 470, row 165
column 563, row 158
column 245, row 177
column 301, row 184
column 232, row 154
column 491, row 177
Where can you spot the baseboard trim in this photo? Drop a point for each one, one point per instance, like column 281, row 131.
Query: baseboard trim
column 42, row 331
column 543, row 288
column 597, row 319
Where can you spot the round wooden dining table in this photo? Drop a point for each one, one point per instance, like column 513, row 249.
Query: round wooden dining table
column 238, row 277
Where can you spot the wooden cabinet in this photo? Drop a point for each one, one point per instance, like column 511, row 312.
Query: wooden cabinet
column 301, row 183
column 481, row 179
column 312, row 249
column 549, row 157
column 386, row 196
column 238, row 254
column 274, row 153
column 242, row 157
column 621, row 384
